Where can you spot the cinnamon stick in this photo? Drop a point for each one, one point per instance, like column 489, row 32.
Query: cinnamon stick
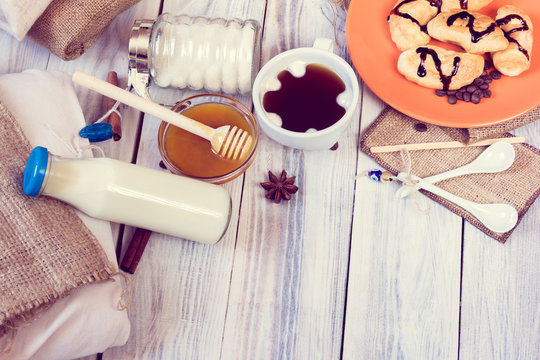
column 114, row 119
column 135, row 250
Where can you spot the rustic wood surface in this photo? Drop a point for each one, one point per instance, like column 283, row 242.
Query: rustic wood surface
column 340, row 271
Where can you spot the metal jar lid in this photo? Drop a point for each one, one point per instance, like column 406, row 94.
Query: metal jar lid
column 139, row 56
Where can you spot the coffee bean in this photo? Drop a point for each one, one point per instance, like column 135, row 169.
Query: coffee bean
column 495, row 74
column 473, row 92
column 487, row 64
column 478, row 81
column 440, row 92
column 471, row 88
column 420, row 127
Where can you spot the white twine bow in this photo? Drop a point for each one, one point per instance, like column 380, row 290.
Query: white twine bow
column 409, row 185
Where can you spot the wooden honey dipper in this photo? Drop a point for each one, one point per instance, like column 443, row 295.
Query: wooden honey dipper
column 229, row 142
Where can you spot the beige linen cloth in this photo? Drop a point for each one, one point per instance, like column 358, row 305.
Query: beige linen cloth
column 18, row 16
column 88, row 320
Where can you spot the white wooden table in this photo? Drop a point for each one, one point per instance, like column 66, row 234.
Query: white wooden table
column 340, row 271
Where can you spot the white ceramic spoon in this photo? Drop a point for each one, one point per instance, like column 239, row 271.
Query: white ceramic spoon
column 496, row 158
column 496, row 217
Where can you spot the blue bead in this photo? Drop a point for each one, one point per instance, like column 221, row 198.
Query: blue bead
column 375, row 175
column 97, row 132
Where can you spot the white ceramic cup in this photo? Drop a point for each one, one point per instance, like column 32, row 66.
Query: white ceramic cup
column 294, row 61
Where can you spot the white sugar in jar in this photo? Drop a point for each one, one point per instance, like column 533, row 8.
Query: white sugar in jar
column 194, row 52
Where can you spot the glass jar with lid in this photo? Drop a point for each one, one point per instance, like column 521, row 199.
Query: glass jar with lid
column 181, row 51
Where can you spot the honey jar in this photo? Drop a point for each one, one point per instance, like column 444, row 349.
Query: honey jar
column 184, row 153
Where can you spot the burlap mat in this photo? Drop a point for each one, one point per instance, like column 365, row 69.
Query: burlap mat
column 518, row 186
column 472, row 135
column 70, row 27
column 45, row 249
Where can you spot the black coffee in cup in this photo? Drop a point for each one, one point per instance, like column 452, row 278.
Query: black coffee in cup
column 306, row 102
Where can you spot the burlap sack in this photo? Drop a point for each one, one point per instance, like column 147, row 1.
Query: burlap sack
column 472, row 135
column 518, row 186
column 70, row 27
column 45, row 249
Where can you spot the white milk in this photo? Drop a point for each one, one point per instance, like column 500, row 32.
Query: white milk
column 133, row 195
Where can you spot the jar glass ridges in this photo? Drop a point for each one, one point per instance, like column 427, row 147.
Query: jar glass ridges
column 204, row 53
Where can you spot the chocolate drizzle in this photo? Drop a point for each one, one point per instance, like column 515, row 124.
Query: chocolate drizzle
column 396, row 11
column 505, row 20
column 476, row 36
column 464, row 4
column 421, row 72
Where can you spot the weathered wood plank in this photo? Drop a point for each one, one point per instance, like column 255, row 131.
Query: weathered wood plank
column 181, row 289
column 20, row 55
column 404, row 275
column 500, row 316
column 341, row 270
column 290, row 267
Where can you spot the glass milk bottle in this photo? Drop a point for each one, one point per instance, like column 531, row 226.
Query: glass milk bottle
column 181, row 51
column 129, row 194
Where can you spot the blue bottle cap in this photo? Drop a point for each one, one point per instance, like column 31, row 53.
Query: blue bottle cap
column 35, row 171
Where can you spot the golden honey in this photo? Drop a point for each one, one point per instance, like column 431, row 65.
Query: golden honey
column 188, row 154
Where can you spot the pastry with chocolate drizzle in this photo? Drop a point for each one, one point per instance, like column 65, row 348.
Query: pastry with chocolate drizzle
column 471, row 5
column 408, row 20
column 518, row 29
column 437, row 68
column 474, row 32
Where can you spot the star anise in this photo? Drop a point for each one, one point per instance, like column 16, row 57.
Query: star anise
column 281, row 188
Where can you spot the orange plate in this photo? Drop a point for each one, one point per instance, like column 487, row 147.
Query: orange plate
column 375, row 57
